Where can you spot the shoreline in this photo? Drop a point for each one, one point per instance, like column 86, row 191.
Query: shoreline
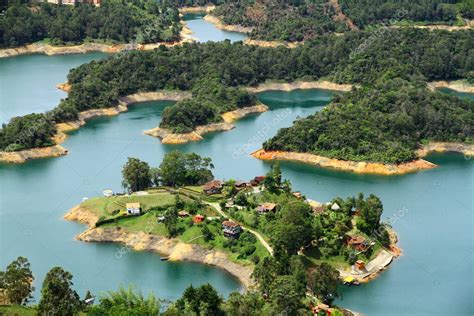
column 62, row 128
column 173, row 248
column 271, row 44
column 362, row 167
column 50, row 50
column 296, row 85
column 456, row 85
column 168, row 137
column 226, row 27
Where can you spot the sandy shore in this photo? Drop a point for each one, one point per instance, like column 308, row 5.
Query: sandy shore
column 226, row 27
column 173, row 248
column 197, row 9
column 458, row 85
column 327, row 85
column 63, row 128
column 356, row 167
column 370, row 167
column 271, row 44
column 168, row 137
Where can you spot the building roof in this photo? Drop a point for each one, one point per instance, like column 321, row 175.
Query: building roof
column 230, row 224
column 214, row 184
column 266, row 207
column 199, row 216
column 355, row 240
column 132, row 205
column 240, row 183
column 183, row 213
column 318, row 209
column 335, row 206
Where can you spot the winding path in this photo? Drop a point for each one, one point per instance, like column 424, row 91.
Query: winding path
column 257, row 234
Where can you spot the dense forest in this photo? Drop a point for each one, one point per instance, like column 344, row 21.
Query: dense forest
column 114, row 21
column 383, row 123
column 305, row 19
column 214, row 72
column 282, row 20
column 368, row 12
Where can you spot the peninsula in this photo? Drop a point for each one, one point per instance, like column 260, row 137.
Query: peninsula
column 238, row 226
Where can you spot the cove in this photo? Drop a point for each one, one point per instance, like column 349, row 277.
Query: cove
column 205, row 31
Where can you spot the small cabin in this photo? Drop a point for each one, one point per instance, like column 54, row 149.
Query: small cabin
column 241, row 184
column 335, row 207
column 183, row 214
column 133, row 208
column 231, row 229
column 266, row 207
column 108, row 193
column 212, row 187
column 198, row 219
column 318, row 209
column 360, row 265
column 357, row 242
column 257, row 180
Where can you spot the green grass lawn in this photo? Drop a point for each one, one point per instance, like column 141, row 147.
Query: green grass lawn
column 110, row 207
column 13, row 310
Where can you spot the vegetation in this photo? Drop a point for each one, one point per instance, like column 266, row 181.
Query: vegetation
column 114, row 21
column 136, row 175
column 282, row 20
column 179, row 169
column 385, row 123
column 57, row 295
column 16, row 282
column 367, row 12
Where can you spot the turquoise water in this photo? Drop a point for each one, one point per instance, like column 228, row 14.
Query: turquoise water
column 431, row 210
column 205, row 31
column 28, row 82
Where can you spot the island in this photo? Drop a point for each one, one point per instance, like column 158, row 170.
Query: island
column 248, row 228
column 221, row 78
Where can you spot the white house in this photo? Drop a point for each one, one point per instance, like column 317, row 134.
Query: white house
column 133, row 208
column 335, row 207
column 108, row 193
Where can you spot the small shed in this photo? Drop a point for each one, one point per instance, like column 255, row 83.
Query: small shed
column 360, row 265
column 241, row 184
column 133, row 208
column 335, row 207
column 108, row 193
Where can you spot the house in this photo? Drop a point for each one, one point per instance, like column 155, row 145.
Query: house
column 161, row 219
column 318, row 209
column 360, row 265
column 241, row 184
column 183, row 214
column 357, row 242
column 108, row 193
column 231, row 229
column 335, row 207
column 212, row 187
column 257, row 180
column 133, row 208
column 197, row 219
column 266, row 207
column 298, row 195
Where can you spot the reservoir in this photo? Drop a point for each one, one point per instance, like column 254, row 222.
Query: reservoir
column 430, row 210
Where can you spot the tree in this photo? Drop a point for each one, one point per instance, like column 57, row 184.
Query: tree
column 126, row 302
column 206, row 232
column 17, row 281
column 57, row 296
column 248, row 304
column 203, row 300
column 272, row 180
column 370, row 213
column 179, row 169
column 293, row 228
column 285, row 295
column 323, row 282
column 171, row 220
column 264, row 273
column 136, row 175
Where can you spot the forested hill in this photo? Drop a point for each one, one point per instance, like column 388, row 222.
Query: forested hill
column 384, row 123
column 215, row 71
column 306, row 19
column 114, row 21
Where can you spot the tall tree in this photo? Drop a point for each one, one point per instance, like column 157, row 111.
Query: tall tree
column 136, row 175
column 17, row 281
column 57, row 295
column 370, row 214
column 323, row 282
column 179, row 169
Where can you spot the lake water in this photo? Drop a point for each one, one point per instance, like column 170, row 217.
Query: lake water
column 206, row 31
column 432, row 211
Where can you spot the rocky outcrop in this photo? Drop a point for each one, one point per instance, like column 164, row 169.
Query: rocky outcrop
column 353, row 166
column 173, row 248
column 35, row 153
column 168, row 137
column 227, row 27
column 289, row 86
column 81, row 215
column 458, row 85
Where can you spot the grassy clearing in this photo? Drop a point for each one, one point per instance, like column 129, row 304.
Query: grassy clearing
column 13, row 310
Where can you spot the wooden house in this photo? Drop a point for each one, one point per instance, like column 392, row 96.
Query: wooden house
column 231, row 229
